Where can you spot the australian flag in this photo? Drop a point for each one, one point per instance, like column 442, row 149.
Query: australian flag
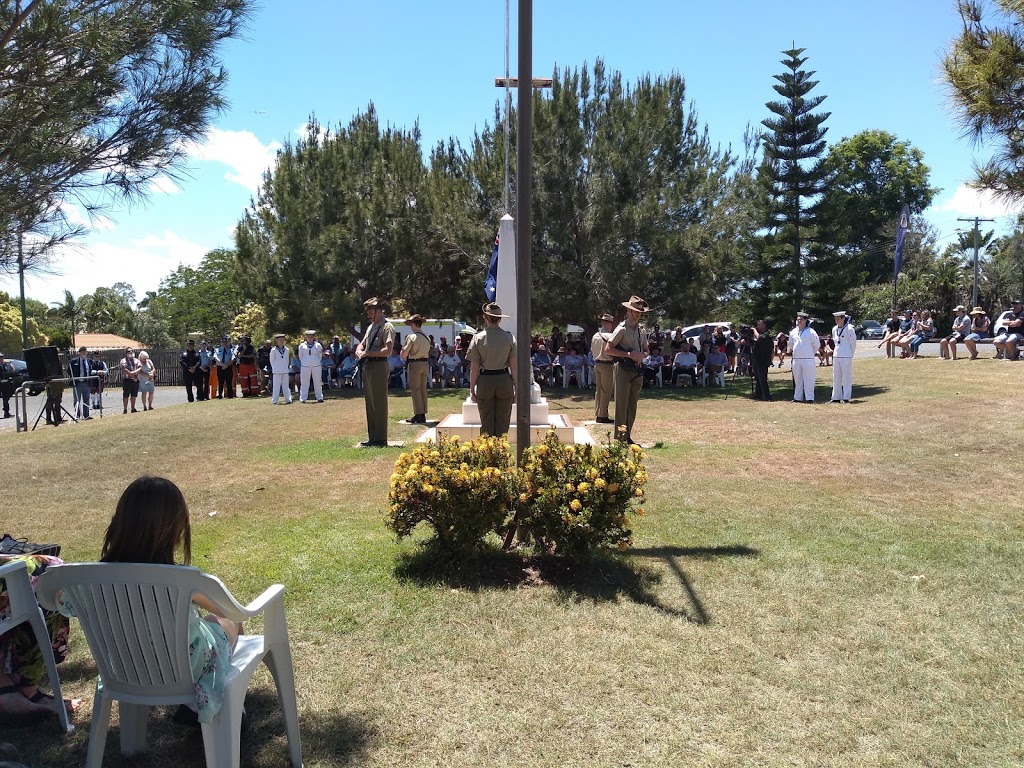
column 901, row 236
column 491, row 283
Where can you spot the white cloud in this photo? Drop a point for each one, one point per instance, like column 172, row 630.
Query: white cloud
column 967, row 201
column 85, row 267
column 163, row 185
column 241, row 151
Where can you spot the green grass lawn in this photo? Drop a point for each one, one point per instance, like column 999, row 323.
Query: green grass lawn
column 812, row 586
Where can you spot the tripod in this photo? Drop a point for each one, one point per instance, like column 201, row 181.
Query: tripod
column 48, row 403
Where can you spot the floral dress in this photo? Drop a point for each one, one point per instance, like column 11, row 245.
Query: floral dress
column 20, row 656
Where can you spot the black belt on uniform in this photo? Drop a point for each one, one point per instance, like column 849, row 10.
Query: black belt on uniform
column 417, row 359
column 375, row 359
column 604, row 362
column 493, row 371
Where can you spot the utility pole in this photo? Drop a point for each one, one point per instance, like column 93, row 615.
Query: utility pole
column 977, row 221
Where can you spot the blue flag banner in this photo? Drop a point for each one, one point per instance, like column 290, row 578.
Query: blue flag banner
column 491, row 283
column 901, row 236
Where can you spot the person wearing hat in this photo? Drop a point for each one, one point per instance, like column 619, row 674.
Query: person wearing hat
column 803, row 347
column 979, row 330
column 6, row 387
column 628, row 345
column 1013, row 332
column 189, row 362
column 604, row 369
column 961, row 327
column 845, row 339
column 492, row 372
column 311, row 352
column 373, row 353
column 416, row 354
column 279, row 359
column 224, row 360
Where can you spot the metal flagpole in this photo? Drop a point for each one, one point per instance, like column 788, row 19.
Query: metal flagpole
column 524, row 234
column 508, row 102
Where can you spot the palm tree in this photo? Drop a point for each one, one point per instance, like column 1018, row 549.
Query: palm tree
column 70, row 310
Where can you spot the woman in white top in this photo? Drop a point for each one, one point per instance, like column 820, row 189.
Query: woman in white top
column 147, row 379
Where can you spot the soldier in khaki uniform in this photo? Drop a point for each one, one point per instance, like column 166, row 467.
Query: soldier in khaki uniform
column 492, row 373
column 372, row 353
column 416, row 353
column 604, row 369
column 628, row 345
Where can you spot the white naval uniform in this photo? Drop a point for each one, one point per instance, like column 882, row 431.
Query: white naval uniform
column 803, row 347
column 310, row 357
column 842, row 362
column 279, row 359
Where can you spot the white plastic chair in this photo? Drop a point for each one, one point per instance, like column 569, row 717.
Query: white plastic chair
column 719, row 378
column 135, row 619
column 24, row 609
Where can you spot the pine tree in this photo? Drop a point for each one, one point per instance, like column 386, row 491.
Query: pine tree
column 793, row 152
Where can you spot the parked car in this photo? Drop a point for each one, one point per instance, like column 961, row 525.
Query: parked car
column 693, row 331
column 19, row 375
column 870, row 329
column 999, row 326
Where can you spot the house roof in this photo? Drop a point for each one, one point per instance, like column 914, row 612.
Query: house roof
column 104, row 341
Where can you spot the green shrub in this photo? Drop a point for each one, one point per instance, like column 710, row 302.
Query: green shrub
column 582, row 497
column 463, row 490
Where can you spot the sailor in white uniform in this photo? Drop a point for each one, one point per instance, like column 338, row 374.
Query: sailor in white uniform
column 311, row 352
column 279, row 359
column 845, row 338
column 803, row 347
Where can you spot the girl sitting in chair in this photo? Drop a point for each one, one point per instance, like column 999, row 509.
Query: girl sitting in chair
column 150, row 525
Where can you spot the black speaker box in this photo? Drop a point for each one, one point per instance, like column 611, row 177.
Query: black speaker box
column 43, row 363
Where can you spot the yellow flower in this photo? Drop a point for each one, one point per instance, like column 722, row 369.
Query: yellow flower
column 639, row 493
column 428, row 488
column 622, row 429
column 592, row 473
column 575, row 505
column 583, row 487
column 523, row 498
column 411, row 473
column 613, row 488
column 542, row 450
column 640, row 512
column 570, row 487
column 600, row 483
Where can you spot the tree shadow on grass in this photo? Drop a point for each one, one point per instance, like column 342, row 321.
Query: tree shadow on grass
column 603, row 577
column 329, row 737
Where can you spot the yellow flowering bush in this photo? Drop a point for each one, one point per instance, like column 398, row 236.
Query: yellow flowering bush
column 582, row 497
column 463, row 490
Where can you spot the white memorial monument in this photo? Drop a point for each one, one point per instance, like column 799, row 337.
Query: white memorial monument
column 466, row 425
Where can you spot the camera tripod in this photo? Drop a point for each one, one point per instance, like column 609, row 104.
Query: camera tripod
column 46, row 403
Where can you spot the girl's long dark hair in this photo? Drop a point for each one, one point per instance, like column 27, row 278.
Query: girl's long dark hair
column 150, row 521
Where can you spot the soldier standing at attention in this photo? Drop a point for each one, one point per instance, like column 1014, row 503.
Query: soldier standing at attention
column 604, row 370
column 416, row 353
column 311, row 352
column 279, row 359
column 373, row 352
column 845, row 339
column 803, row 347
column 492, row 373
column 628, row 345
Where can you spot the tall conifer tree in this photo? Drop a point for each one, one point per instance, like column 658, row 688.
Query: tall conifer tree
column 794, row 147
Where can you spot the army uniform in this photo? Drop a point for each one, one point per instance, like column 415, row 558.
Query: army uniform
column 628, row 377
column 604, row 373
column 492, row 350
column 375, row 377
column 416, row 351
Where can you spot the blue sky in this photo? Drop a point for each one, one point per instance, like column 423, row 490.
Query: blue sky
column 877, row 61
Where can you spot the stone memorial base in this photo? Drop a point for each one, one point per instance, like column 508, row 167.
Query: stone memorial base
column 466, row 425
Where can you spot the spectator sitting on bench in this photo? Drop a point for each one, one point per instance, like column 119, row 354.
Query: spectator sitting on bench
column 979, row 330
column 961, row 327
column 347, row 369
column 1013, row 332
